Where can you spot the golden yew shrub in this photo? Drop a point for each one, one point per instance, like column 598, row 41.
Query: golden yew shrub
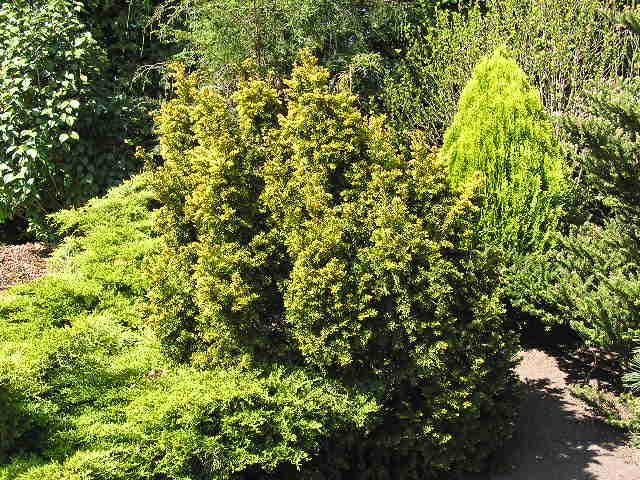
column 297, row 232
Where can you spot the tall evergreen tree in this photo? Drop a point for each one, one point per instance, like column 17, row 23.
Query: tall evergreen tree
column 220, row 35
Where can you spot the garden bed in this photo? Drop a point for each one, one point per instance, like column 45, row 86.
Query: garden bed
column 21, row 263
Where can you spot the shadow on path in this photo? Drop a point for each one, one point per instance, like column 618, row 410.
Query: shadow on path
column 555, row 437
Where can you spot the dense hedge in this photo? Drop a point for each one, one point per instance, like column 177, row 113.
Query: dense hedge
column 297, row 233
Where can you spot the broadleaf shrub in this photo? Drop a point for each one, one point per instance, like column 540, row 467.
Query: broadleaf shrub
column 502, row 131
column 70, row 112
column 49, row 62
column 296, row 232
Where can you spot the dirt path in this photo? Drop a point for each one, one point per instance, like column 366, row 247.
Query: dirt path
column 557, row 438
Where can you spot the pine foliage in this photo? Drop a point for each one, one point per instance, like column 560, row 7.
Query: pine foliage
column 591, row 279
column 606, row 135
column 609, row 154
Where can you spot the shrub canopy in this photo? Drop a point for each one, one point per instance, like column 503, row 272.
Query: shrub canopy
column 296, row 232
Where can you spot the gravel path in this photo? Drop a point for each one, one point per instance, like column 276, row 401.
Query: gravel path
column 557, row 438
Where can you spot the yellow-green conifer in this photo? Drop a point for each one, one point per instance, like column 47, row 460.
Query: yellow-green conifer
column 502, row 131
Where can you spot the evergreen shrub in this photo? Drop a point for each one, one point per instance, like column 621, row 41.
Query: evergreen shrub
column 502, row 131
column 297, row 233
column 591, row 279
column 61, row 336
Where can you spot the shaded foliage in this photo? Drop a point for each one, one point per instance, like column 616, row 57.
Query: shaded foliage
column 70, row 113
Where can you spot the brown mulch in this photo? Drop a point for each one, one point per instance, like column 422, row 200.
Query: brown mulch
column 21, row 263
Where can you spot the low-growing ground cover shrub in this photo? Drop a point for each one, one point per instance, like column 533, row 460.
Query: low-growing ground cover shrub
column 183, row 423
column 297, row 234
column 86, row 393
column 502, row 131
column 61, row 336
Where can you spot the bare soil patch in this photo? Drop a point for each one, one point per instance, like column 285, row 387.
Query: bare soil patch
column 22, row 263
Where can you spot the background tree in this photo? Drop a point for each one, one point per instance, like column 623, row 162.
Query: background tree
column 221, row 35
column 562, row 49
column 360, row 40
